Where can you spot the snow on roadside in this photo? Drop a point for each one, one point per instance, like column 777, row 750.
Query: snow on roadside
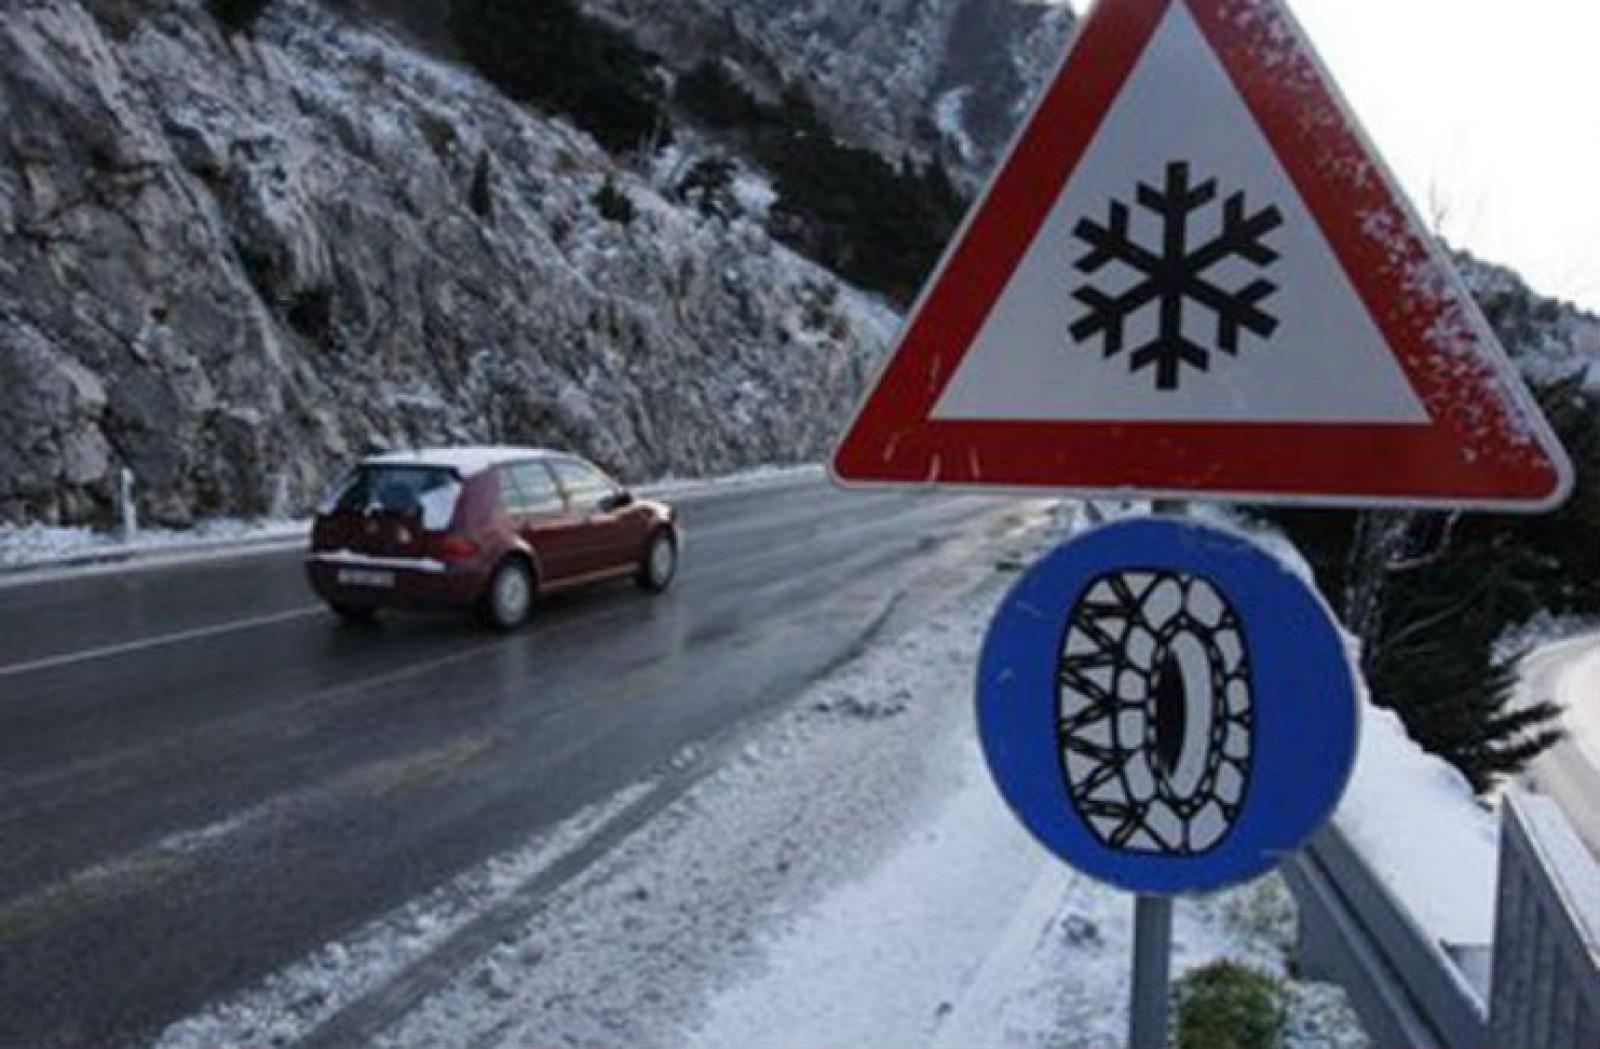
column 972, row 935
column 293, row 1001
column 852, row 878
column 755, row 477
column 1542, row 631
column 31, row 546
column 1415, row 820
column 1568, row 672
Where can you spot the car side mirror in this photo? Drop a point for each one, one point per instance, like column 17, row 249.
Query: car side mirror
column 618, row 500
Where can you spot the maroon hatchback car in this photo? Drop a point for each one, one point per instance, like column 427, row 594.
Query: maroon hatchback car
column 482, row 528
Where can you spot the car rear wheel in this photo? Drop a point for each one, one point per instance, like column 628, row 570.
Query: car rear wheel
column 660, row 565
column 510, row 595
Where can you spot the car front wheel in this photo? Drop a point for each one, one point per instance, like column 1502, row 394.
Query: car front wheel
column 660, row 565
column 510, row 596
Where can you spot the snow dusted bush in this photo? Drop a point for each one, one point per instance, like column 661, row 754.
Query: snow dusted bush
column 238, row 15
column 1227, row 1004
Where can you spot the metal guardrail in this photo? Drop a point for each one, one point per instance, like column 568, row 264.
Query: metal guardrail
column 1409, row 992
column 1542, row 990
column 1547, row 933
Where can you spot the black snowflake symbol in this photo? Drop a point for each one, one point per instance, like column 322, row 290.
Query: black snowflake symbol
column 1176, row 276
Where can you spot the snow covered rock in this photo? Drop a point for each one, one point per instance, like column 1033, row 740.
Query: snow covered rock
column 917, row 77
column 231, row 263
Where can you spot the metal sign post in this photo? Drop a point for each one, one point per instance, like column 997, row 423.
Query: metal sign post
column 1152, row 972
column 1152, row 931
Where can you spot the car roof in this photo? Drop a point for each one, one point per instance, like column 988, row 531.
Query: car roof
column 465, row 461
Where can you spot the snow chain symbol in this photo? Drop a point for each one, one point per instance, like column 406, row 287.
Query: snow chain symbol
column 1176, row 276
column 1156, row 713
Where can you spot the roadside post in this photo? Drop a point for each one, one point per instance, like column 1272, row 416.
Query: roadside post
column 127, row 505
column 1192, row 278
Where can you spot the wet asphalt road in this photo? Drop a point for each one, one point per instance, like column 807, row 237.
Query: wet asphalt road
column 204, row 777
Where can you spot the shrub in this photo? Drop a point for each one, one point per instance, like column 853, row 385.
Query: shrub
column 614, row 204
column 1226, row 1004
column 550, row 54
column 714, row 97
column 480, row 195
column 880, row 226
column 877, row 226
column 709, row 187
column 238, row 16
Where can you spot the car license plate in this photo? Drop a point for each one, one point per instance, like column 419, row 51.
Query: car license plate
column 360, row 577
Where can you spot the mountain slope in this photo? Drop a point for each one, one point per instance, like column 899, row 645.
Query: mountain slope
column 231, row 264
column 917, row 77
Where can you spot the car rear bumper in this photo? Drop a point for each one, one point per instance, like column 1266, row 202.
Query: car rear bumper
column 356, row 579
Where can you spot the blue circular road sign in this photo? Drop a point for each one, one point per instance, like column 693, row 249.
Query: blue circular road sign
column 1167, row 707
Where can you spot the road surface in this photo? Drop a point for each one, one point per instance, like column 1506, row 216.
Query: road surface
column 1569, row 673
column 203, row 776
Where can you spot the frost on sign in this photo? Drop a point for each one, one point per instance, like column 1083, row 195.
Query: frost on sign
column 1156, row 713
column 1176, row 275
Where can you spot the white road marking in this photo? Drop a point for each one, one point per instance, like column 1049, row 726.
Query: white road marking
column 199, row 633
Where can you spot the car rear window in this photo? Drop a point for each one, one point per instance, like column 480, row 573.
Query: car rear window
column 427, row 491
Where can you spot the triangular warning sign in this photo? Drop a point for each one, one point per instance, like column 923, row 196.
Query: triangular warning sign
column 1193, row 276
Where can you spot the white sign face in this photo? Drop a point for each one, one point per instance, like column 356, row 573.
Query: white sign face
column 1324, row 361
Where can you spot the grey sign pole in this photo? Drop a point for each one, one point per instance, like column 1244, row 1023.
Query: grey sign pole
column 1152, row 971
column 1152, row 931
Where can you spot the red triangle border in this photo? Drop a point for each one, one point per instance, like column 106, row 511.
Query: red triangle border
column 1487, row 445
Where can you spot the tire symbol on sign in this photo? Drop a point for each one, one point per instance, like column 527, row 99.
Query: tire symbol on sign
column 1156, row 713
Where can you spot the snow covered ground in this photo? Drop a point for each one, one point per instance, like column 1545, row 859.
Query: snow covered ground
column 846, row 875
column 1578, row 690
column 35, row 545
column 1565, row 669
column 1563, row 664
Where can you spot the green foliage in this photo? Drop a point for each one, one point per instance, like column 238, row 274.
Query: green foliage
column 714, row 98
column 614, row 204
column 851, row 210
column 238, row 16
column 550, row 54
column 1229, row 1005
column 877, row 225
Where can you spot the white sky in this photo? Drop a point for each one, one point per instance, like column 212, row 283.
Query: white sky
column 1489, row 112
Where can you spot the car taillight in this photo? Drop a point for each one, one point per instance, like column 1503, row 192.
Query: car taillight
column 454, row 548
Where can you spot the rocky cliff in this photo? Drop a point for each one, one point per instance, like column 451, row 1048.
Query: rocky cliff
column 924, row 78
column 230, row 264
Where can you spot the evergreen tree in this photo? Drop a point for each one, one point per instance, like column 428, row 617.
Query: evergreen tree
column 550, row 54
column 239, row 16
column 717, row 100
column 709, row 187
column 614, row 204
column 480, row 196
